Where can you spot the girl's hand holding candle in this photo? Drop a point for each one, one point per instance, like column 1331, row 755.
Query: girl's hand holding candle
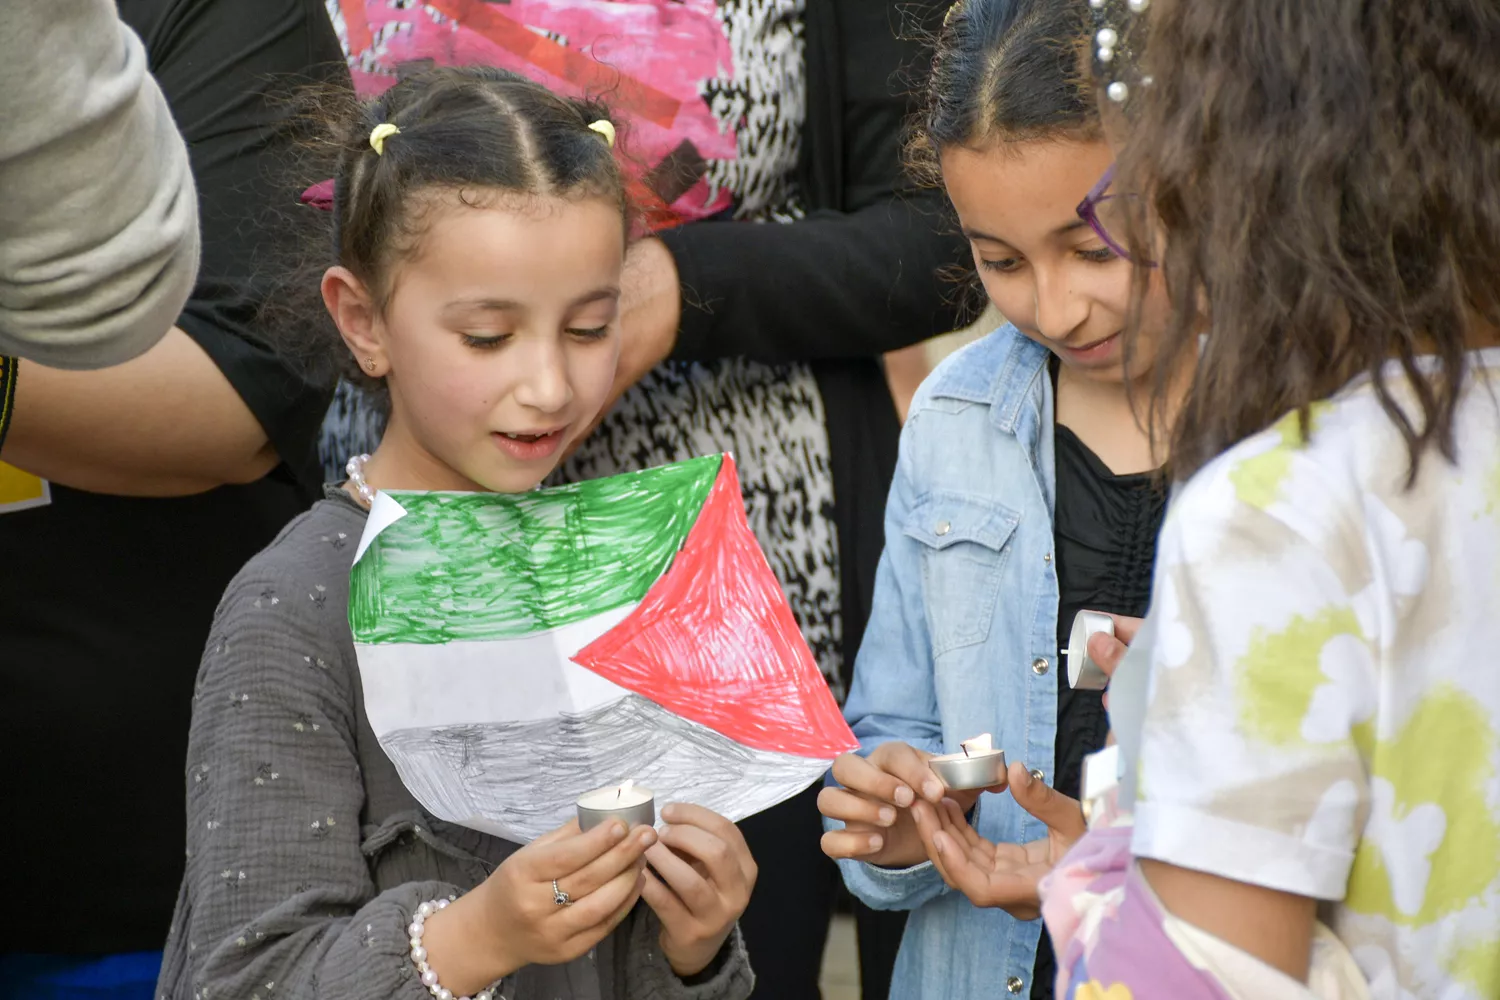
column 515, row 917
column 1083, row 673
column 699, row 883
column 874, row 804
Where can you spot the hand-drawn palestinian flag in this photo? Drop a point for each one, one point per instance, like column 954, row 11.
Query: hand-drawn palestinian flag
column 517, row 651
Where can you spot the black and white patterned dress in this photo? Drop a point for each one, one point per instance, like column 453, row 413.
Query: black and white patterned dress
column 770, row 417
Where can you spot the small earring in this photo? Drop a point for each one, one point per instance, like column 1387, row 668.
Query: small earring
column 370, row 364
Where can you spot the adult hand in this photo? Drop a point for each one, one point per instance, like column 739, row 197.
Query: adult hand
column 874, row 805
column 699, row 883
column 650, row 312
column 512, row 919
column 1001, row 875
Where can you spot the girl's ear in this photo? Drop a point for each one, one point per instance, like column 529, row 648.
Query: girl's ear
column 353, row 311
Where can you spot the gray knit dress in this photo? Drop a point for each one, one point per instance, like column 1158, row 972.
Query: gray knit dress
column 306, row 855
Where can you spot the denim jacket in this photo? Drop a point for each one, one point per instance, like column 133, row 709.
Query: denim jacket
column 962, row 640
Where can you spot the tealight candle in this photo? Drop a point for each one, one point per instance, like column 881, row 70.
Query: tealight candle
column 977, row 765
column 632, row 804
column 1083, row 673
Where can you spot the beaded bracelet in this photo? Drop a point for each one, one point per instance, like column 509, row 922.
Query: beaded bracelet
column 419, row 955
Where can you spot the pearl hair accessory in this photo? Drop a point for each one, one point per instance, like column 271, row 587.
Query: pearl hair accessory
column 356, row 470
column 419, row 954
column 1116, row 24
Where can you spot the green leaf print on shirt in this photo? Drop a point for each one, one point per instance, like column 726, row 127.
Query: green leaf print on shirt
column 1443, row 757
column 1276, row 678
column 1477, row 965
column 1258, row 480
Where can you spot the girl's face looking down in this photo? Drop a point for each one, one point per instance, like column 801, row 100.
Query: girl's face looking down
column 1042, row 266
column 498, row 341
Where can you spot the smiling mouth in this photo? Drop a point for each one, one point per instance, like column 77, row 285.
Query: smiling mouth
column 530, row 438
column 1089, row 347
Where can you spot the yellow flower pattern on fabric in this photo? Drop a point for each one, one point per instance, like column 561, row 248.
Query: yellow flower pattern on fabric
column 1477, row 965
column 1258, row 480
column 1451, row 727
column 1094, row 990
column 1280, row 672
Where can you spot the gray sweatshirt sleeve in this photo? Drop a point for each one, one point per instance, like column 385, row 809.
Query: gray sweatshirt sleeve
column 277, row 888
column 99, row 222
column 648, row 976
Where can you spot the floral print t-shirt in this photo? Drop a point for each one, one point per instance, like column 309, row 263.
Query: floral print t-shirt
column 1324, row 707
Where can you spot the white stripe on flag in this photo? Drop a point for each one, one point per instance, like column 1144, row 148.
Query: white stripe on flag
column 498, row 680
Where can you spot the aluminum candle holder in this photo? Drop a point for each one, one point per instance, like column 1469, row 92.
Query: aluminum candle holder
column 629, row 803
column 1083, row 673
column 976, row 765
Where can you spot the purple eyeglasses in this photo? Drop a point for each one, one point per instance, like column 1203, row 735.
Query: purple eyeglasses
column 1088, row 211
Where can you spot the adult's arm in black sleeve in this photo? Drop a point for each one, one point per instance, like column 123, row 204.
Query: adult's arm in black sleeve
column 832, row 285
column 214, row 402
column 868, row 272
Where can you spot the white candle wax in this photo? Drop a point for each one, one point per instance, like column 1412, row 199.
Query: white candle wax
column 623, row 796
column 983, row 743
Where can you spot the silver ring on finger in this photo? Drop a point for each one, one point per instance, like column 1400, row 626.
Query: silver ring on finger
column 559, row 897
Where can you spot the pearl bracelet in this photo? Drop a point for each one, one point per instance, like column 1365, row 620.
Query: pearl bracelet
column 419, row 954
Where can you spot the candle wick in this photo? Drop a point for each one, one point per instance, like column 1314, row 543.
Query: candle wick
column 966, row 748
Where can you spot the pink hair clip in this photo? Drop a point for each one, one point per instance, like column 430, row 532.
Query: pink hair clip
column 319, row 196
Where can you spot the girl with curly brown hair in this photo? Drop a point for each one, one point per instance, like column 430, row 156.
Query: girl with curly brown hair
column 1310, row 718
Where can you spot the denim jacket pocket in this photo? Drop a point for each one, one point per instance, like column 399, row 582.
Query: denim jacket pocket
column 965, row 544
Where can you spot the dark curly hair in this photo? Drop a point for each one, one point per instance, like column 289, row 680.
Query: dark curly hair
column 471, row 130
column 1323, row 186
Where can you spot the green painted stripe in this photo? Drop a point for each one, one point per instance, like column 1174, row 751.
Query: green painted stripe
column 495, row 566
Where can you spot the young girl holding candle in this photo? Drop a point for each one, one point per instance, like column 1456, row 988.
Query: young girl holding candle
column 480, row 227
column 1026, row 490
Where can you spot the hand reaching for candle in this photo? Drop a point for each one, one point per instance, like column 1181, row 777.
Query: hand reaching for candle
column 1007, row 875
column 874, row 805
column 1001, row 875
column 700, row 882
column 513, row 919
column 1108, row 650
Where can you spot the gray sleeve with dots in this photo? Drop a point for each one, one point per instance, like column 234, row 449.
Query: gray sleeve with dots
column 277, row 899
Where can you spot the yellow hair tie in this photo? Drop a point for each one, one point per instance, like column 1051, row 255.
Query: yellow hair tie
column 379, row 134
column 605, row 128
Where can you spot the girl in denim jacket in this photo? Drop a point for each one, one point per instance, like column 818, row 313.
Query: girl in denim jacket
column 1026, row 491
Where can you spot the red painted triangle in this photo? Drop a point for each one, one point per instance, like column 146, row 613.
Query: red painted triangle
column 715, row 642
